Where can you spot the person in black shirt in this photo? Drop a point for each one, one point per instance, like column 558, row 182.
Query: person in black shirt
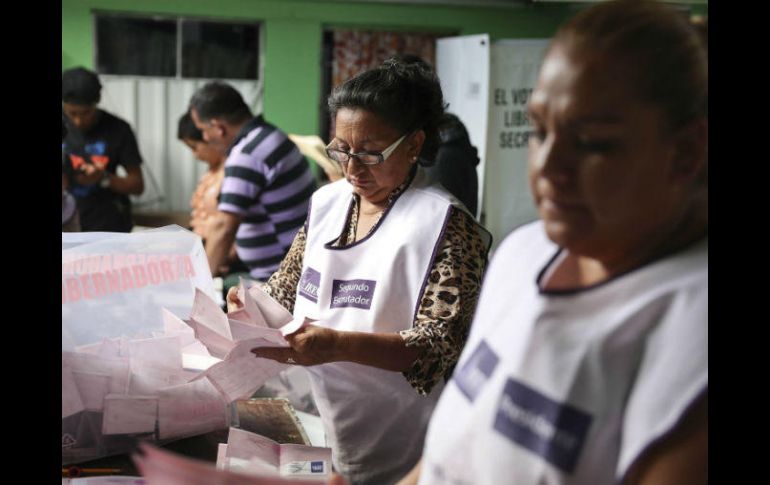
column 70, row 221
column 96, row 143
column 456, row 160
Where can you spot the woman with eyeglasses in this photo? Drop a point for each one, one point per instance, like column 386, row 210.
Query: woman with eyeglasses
column 389, row 267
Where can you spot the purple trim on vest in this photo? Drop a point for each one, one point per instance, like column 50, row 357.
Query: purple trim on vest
column 702, row 393
column 430, row 263
column 566, row 291
column 345, row 223
column 584, row 289
column 376, row 226
column 307, row 218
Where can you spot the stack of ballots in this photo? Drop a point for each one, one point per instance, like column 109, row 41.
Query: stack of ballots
column 147, row 351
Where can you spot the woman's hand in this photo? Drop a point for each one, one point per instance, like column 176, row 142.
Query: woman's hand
column 233, row 302
column 310, row 345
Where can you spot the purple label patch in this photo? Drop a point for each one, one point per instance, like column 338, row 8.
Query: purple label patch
column 309, row 283
column 553, row 430
column 476, row 370
column 352, row 293
column 316, row 467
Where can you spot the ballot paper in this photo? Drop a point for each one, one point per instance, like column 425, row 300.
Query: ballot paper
column 221, row 455
column 163, row 351
column 259, row 308
column 252, row 453
column 250, row 311
column 129, row 414
column 217, row 345
column 92, row 387
column 93, row 377
column 220, row 331
column 274, row 314
column 150, row 380
column 160, row 467
column 206, row 312
column 71, row 402
column 191, row 408
column 108, row 348
column 173, row 325
column 240, row 374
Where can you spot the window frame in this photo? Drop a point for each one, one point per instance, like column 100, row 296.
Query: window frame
column 178, row 19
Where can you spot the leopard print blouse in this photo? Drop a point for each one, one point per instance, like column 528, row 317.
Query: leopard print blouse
column 447, row 304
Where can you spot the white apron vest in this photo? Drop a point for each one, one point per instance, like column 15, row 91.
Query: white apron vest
column 569, row 389
column 374, row 420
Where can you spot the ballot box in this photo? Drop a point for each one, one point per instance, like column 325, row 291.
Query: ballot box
column 121, row 362
column 149, row 354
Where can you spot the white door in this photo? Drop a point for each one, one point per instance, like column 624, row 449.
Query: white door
column 462, row 65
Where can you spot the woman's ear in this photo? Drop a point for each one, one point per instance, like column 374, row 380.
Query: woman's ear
column 415, row 145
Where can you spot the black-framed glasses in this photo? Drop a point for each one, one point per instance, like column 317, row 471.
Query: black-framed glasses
column 364, row 158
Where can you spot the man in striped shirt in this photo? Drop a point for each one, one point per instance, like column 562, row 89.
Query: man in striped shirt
column 267, row 185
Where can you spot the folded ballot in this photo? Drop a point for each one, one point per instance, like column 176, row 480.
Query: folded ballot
column 253, row 454
column 262, row 320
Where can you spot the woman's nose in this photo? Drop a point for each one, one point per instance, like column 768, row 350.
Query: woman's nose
column 551, row 160
column 354, row 165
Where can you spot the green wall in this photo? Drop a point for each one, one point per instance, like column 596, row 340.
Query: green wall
column 292, row 36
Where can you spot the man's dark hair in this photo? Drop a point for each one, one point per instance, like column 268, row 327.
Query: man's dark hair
column 186, row 129
column 406, row 96
column 219, row 100
column 80, row 86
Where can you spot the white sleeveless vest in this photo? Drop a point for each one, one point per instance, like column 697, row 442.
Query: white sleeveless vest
column 374, row 420
column 569, row 389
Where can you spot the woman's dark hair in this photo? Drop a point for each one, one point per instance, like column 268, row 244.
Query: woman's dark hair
column 406, row 96
column 662, row 53
column 186, row 129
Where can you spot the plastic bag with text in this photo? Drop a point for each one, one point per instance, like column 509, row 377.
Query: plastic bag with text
column 121, row 351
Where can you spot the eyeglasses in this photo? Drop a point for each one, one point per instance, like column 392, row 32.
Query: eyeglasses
column 365, row 158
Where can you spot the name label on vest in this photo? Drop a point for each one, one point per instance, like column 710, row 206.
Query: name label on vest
column 553, row 430
column 315, row 467
column 309, row 283
column 476, row 370
column 352, row 293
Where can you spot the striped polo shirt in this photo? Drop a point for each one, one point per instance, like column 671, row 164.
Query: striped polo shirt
column 268, row 183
